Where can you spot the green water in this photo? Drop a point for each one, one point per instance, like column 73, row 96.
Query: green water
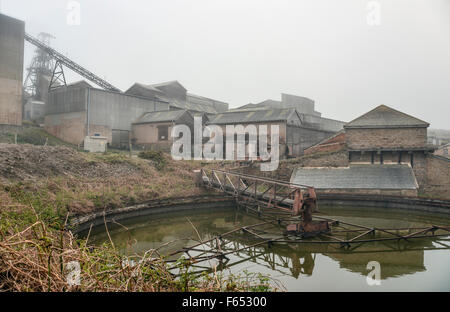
column 421, row 265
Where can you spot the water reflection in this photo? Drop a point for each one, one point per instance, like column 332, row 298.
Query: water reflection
column 293, row 260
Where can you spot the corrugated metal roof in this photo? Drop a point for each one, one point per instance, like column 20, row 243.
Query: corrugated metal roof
column 357, row 177
column 248, row 116
column 191, row 106
column 159, row 94
column 384, row 116
column 162, row 116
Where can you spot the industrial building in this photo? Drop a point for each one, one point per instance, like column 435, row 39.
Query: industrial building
column 153, row 130
column 385, row 135
column 12, row 32
column 79, row 110
column 385, row 138
column 302, row 104
column 295, row 133
column 300, row 124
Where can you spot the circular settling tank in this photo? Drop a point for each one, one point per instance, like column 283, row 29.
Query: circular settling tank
column 393, row 265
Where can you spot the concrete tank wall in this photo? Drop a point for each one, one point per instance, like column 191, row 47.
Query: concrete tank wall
column 12, row 32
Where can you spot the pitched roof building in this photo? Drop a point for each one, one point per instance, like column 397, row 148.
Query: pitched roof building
column 386, row 117
column 178, row 97
column 153, row 130
column 397, row 179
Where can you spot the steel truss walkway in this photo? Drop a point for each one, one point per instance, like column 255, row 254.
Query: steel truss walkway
column 58, row 73
column 285, row 210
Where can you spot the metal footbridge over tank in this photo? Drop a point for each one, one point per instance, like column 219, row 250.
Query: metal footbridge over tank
column 288, row 214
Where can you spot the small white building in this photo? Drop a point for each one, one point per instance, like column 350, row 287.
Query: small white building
column 95, row 144
column 34, row 110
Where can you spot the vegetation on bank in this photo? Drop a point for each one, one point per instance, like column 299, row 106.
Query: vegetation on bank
column 31, row 134
column 42, row 186
column 36, row 254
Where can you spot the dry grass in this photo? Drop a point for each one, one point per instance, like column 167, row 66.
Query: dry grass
column 37, row 195
column 39, row 257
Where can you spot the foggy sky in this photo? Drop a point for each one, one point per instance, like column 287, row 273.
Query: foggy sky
column 246, row 51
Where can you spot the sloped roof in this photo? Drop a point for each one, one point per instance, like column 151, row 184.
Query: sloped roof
column 267, row 104
column 161, row 116
column 190, row 106
column 167, row 83
column 255, row 116
column 80, row 83
column 385, row 117
column 357, row 177
column 156, row 93
column 327, row 139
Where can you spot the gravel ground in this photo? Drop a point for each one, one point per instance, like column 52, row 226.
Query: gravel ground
column 30, row 162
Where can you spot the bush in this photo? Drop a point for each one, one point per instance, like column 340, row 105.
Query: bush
column 157, row 157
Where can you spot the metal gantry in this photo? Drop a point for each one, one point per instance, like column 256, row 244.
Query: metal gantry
column 58, row 73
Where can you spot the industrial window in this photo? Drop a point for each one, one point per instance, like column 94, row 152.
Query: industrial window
column 163, row 133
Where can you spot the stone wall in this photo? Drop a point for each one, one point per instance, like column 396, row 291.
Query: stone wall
column 437, row 177
column 386, row 138
column 11, row 69
column 284, row 171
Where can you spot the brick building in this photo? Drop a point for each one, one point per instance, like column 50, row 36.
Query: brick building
column 153, row 130
column 385, row 135
column 296, row 133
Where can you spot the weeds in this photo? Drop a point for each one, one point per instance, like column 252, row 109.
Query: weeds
column 157, row 157
column 43, row 258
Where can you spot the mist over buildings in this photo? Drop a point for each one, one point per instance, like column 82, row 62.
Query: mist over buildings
column 244, row 52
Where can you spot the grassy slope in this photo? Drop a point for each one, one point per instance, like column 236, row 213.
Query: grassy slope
column 45, row 183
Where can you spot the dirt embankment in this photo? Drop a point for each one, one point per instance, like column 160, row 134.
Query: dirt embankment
column 31, row 162
column 64, row 180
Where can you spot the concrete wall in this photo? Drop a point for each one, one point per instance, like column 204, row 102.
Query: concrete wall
column 69, row 127
column 12, row 33
column 148, row 133
column 145, row 136
column 386, row 137
column 302, row 104
column 409, row 193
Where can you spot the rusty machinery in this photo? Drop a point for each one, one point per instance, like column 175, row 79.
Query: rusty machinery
column 305, row 203
column 264, row 194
